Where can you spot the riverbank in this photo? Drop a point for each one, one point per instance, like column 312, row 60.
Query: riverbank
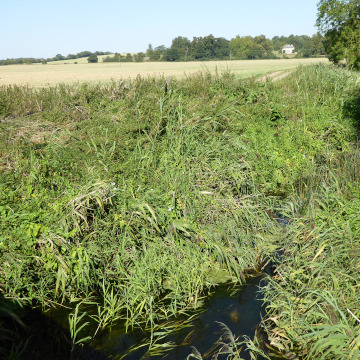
column 146, row 195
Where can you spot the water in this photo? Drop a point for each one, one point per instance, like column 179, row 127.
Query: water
column 240, row 308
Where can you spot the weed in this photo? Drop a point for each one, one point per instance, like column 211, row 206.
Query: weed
column 145, row 198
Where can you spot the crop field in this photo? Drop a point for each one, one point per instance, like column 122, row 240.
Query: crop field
column 38, row 75
column 125, row 205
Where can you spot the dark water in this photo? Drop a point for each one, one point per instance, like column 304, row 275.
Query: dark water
column 46, row 336
column 240, row 308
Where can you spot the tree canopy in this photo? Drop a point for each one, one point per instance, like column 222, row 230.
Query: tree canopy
column 204, row 48
column 339, row 21
column 92, row 59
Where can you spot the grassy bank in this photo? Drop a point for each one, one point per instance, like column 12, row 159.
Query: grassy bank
column 141, row 197
column 313, row 301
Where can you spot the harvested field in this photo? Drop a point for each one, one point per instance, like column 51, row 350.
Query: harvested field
column 38, row 75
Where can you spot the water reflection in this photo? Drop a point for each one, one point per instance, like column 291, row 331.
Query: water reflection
column 239, row 307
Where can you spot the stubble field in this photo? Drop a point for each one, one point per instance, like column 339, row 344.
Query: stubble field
column 37, row 75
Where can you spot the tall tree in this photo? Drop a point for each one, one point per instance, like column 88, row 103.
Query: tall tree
column 245, row 48
column 139, row 57
column 265, row 43
column 129, row 58
column 59, row 57
column 152, row 54
column 172, row 54
column 339, row 21
column 202, row 48
column 318, row 41
column 182, row 45
column 221, row 48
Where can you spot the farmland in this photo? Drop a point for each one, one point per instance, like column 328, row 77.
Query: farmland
column 37, row 75
column 140, row 197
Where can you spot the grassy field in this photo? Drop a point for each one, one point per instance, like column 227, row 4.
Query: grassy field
column 38, row 75
column 140, row 200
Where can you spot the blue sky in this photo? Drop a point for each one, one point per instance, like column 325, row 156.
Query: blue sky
column 39, row 28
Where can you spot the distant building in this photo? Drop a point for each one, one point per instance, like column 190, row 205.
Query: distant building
column 288, row 49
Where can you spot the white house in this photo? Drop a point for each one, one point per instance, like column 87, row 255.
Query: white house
column 288, row 49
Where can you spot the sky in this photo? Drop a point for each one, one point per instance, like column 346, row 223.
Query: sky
column 43, row 28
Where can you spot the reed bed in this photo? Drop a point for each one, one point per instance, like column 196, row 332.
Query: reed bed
column 140, row 197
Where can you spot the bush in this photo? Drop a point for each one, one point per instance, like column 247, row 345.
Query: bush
column 93, row 59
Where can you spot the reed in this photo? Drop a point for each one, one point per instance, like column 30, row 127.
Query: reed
column 145, row 199
column 313, row 302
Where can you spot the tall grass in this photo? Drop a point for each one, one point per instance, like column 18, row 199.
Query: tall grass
column 313, row 300
column 142, row 198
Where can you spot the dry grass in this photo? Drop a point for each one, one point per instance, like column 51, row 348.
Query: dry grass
column 38, row 75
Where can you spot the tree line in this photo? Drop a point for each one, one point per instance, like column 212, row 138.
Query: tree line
column 219, row 48
column 201, row 48
column 338, row 22
column 57, row 57
column 339, row 38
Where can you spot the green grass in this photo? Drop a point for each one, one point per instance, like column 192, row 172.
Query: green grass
column 313, row 301
column 141, row 200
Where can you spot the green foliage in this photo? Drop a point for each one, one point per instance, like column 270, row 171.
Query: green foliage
column 148, row 199
column 128, row 58
column 139, row 57
column 153, row 55
column 93, row 58
column 116, row 58
column 231, row 346
column 209, row 47
column 313, row 306
column 172, row 55
column 75, row 328
column 249, row 48
column 339, row 21
column 183, row 46
column 205, row 48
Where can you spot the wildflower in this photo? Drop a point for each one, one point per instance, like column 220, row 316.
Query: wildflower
column 114, row 186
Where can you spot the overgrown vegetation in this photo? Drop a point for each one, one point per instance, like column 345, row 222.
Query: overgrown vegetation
column 139, row 196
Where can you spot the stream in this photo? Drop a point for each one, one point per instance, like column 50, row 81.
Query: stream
column 239, row 307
